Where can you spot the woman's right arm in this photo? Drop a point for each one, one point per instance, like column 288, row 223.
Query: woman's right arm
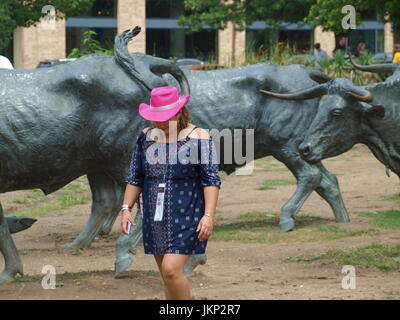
column 132, row 193
column 134, row 186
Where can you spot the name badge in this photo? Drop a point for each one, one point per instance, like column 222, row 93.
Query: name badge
column 160, row 202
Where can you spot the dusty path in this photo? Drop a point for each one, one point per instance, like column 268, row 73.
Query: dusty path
column 241, row 269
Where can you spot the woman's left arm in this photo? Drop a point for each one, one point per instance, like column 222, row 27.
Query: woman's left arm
column 206, row 223
column 211, row 182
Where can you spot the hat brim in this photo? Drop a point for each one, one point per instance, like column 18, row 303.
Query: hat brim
column 162, row 115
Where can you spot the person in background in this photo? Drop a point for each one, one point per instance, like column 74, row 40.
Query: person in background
column 341, row 44
column 5, row 63
column 396, row 53
column 318, row 52
column 361, row 48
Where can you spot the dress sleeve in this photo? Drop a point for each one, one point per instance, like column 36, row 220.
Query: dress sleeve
column 208, row 164
column 136, row 170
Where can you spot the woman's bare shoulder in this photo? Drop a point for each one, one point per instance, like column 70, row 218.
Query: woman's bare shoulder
column 200, row 133
column 145, row 129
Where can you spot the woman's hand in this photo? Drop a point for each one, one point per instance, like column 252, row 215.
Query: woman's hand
column 125, row 217
column 205, row 227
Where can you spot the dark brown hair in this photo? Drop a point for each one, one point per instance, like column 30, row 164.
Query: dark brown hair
column 184, row 118
column 396, row 48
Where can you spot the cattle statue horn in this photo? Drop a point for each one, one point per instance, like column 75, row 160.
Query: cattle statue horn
column 384, row 68
column 319, row 76
column 361, row 94
column 310, row 93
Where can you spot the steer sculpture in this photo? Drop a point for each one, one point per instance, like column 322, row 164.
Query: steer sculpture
column 351, row 115
column 81, row 118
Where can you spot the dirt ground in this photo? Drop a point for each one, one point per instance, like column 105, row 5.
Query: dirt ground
column 235, row 269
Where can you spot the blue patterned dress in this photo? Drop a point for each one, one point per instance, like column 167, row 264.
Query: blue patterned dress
column 188, row 165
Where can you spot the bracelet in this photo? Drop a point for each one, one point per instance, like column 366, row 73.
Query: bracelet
column 208, row 215
column 126, row 207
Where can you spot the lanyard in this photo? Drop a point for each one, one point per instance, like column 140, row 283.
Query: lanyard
column 160, row 196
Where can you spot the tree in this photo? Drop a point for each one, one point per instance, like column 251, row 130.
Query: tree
column 218, row 13
column 25, row 13
column 327, row 13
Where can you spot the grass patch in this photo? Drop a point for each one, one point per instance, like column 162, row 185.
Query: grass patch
column 20, row 201
column 269, row 184
column 257, row 214
column 272, row 167
column 393, row 294
column 263, row 227
column 392, row 197
column 268, row 164
column 80, row 276
column 383, row 219
column 58, row 237
column 379, row 256
column 304, row 258
column 37, row 204
column 41, row 210
column 68, row 200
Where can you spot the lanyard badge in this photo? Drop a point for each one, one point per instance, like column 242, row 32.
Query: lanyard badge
column 160, row 202
column 160, row 198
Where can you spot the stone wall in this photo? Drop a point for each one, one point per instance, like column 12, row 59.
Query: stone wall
column 132, row 13
column 39, row 43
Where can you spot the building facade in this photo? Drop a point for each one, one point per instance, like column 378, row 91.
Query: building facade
column 163, row 37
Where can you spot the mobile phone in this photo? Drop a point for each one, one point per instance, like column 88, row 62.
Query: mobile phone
column 128, row 228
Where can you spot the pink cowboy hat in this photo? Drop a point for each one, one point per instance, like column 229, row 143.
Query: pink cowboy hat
column 165, row 103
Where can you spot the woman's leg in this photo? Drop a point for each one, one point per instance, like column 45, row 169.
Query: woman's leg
column 159, row 260
column 175, row 280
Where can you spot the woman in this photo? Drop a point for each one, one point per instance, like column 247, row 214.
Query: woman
column 361, row 48
column 396, row 53
column 179, row 197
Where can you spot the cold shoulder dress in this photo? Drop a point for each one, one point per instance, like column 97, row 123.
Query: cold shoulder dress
column 188, row 165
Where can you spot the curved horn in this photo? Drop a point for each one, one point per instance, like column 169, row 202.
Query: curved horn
column 319, row 76
column 361, row 94
column 310, row 93
column 123, row 57
column 384, row 68
column 173, row 69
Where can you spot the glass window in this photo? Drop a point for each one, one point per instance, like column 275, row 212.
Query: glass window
column 372, row 38
column 263, row 39
column 8, row 51
column 201, row 45
column 175, row 43
column 102, row 8
column 74, row 37
column 164, row 8
column 157, row 42
column 257, row 39
column 300, row 38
